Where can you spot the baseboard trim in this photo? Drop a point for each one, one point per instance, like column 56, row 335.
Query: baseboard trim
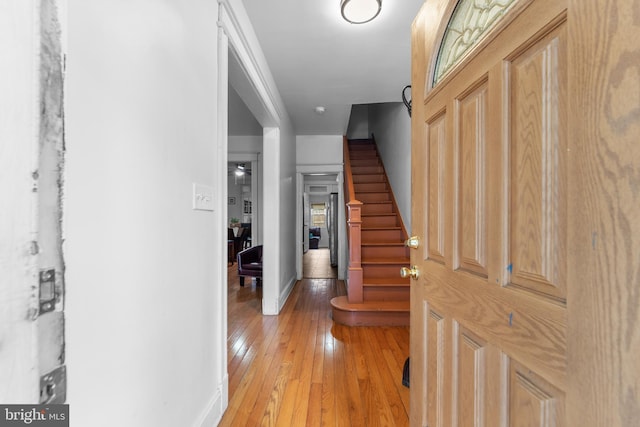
column 214, row 410
column 284, row 296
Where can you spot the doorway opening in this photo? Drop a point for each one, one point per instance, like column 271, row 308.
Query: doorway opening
column 244, row 189
column 320, row 225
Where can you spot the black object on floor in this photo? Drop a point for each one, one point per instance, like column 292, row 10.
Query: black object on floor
column 405, row 373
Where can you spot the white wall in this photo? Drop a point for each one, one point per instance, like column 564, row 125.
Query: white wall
column 245, row 144
column 241, row 121
column 319, row 149
column 359, row 127
column 288, row 202
column 391, row 126
column 143, row 333
column 19, row 141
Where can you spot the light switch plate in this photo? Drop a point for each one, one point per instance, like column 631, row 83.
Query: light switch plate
column 202, row 197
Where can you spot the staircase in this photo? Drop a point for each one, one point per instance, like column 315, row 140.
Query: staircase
column 382, row 297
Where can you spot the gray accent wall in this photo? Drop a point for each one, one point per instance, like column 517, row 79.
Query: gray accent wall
column 391, row 126
column 359, row 122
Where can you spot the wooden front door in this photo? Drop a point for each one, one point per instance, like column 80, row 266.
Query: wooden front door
column 523, row 160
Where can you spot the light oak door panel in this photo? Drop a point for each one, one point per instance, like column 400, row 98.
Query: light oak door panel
column 491, row 187
column 470, row 372
column 436, row 220
column 435, row 339
column 536, row 78
column 470, row 144
column 533, row 402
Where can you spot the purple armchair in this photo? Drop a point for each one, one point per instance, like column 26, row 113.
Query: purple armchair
column 250, row 264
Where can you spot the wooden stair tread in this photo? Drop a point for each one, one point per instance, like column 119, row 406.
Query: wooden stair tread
column 402, row 260
column 394, row 227
column 383, row 244
column 342, row 303
column 386, row 281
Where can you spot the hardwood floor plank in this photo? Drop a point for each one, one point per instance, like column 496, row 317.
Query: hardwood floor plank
column 314, row 415
column 352, row 386
column 301, row 369
column 276, row 397
column 397, row 344
column 358, row 354
column 316, row 264
column 403, row 392
column 328, row 384
column 259, row 370
column 380, row 412
column 395, row 358
column 343, row 418
column 318, row 365
column 231, row 415
column 273, row 363
column 390, row 382
column 236, row 375
column 287, row 408
column 304, row 374
column 293, row 358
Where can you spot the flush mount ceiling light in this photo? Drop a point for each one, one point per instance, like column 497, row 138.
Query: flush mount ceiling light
column 360, row 11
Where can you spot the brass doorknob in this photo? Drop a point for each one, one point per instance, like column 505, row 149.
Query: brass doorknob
column 409, row 272
column 412, row 242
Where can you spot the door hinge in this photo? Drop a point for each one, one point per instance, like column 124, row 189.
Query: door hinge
column 48, row 293
column 53, row 386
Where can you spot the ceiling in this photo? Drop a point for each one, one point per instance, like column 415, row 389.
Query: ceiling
column 318, row 59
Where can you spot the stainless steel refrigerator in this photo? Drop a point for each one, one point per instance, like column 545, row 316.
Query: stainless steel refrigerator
column 332, row 228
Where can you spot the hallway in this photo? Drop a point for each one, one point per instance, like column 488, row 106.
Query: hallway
column 301, row 369
column 316, row 264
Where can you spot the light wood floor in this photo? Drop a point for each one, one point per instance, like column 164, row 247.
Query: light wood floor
column 316, row 264
column 301, row 369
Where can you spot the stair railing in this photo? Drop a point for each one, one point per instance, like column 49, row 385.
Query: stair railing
column 354, row 226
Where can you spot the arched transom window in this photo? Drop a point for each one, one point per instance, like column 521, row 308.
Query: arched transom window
column 471, row 19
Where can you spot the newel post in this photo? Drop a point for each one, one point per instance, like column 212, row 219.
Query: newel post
column 354, row 293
